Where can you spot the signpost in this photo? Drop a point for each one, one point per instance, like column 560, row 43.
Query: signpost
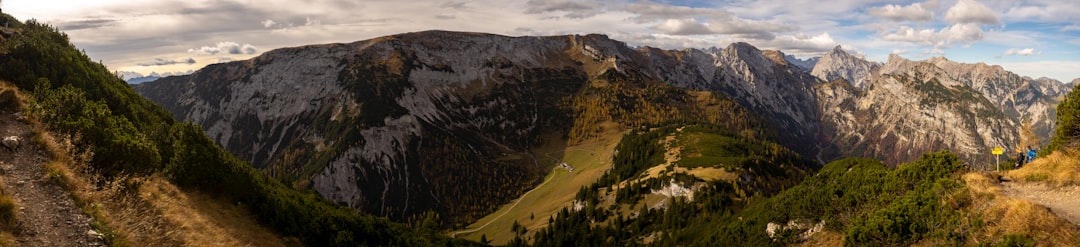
column 997, row 153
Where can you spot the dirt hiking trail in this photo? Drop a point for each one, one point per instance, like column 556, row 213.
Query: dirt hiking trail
column 47, row 216
column 1064, row 201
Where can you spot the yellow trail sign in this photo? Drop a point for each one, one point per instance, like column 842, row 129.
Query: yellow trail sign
column 998, row 150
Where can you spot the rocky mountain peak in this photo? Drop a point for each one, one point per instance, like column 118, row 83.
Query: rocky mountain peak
column 838, row 64
column 838, row 49
column 805, row 64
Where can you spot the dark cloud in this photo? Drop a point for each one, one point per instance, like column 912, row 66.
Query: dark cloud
column 163, row 62
column 454, row 5
column 85, row 24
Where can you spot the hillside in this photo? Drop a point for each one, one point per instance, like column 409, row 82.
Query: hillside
column 665, row 178
column 398, row 121
column 122, row 138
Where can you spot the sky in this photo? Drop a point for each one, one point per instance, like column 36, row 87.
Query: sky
column 1033, row 38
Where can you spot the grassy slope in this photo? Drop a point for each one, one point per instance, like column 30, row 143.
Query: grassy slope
column 590, row 160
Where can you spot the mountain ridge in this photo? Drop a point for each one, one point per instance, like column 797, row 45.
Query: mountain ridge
column 371, row 104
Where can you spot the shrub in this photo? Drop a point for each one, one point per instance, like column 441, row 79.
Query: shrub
column 1067, row 133
column 8, row 212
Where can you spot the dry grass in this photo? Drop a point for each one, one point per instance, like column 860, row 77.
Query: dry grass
column 8, row 218
column 150, row 211
column 825, row 238
column 1060, row 168
column 1004, row 215
column 145, row 211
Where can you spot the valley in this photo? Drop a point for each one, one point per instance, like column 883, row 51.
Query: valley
column 532, row 210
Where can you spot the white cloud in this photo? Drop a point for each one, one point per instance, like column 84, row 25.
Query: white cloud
column 1021, row 52
column 899, row 51
column 1061, row 11
column 268, row 23
column 970, row 11
column 963, row 34
column 1071, row 28
column 681, row 20
column 684, row 27
column 911, row 35
column 913, row 12
column 227, row 47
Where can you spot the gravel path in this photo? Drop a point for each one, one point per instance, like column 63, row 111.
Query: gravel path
column 47, row 216
column 1064, row 201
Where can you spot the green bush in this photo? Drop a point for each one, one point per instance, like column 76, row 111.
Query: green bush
column 1015, row 240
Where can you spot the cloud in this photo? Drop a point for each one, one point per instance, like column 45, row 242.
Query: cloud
column 1071, row 28
column 681, row 20
column 573, row 9
column 226, row 47
column 970, row 11
column 913, row 12
column 128, row 74
column 268, row 23
column 645, row 12
column 85, row 24
column 454, row 5
column 1061, row 11
column 1021, row 52
column 170, row 73
column 163, row 62
column 899, row 51
column 965, row 34
column 684, row 27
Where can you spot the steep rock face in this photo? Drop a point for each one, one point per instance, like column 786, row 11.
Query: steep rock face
column 838, row 64
column 762, row 81
column 911, row 107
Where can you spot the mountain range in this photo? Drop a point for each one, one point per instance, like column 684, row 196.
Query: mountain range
column 449, row 122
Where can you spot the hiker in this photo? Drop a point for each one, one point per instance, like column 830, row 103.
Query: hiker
column 1031, row 154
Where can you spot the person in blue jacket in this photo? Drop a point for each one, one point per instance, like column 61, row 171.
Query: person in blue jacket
column 1031, row 154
